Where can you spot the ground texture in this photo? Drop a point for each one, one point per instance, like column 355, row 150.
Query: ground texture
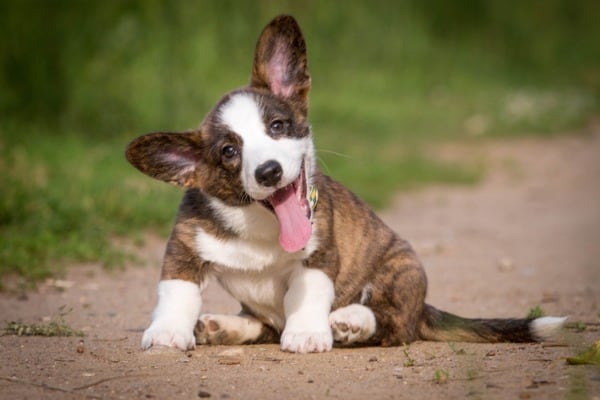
column 528, row 235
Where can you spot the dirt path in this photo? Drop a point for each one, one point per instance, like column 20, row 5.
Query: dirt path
column 528, row 235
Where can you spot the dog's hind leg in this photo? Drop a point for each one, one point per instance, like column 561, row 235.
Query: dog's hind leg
column 352, row 324
column 233, row 329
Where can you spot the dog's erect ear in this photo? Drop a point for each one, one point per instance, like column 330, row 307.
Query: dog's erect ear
column 170, row 157
column 280, row 62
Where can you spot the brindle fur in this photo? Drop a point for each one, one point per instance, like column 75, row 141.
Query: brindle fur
column 364, row 258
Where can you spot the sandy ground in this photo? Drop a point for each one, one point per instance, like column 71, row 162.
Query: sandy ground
column 528, row 235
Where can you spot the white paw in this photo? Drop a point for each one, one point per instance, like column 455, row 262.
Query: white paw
column 175, row 315
column 306, row 342
column 352, row 324
column 166, row 333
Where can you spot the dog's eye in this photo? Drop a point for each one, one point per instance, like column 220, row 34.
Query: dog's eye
column 277, row 127
column 229, row 151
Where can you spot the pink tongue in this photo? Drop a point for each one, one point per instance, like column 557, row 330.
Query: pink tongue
column 294, row 228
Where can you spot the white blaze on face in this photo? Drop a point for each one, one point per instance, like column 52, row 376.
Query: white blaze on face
column 243, row 115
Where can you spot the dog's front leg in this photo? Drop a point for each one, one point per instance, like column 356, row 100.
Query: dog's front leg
column 175, row 316
column 307, row 304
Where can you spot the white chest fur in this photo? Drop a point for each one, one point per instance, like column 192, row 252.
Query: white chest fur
column 256, row 246
column 252, row 266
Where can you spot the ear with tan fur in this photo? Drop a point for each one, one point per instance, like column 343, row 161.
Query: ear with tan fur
column 280, row 61
column 170, row 157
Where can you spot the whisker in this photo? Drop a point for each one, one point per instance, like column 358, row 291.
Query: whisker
column 333, row 152
column 322, row 161
column 325, row 166
column 244, row 198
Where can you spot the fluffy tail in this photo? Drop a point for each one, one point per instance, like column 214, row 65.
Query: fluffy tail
column 443, row 326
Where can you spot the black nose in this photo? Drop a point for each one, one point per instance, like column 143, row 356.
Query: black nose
column 269, row 173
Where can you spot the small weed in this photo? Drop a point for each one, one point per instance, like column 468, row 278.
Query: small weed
column 472, row 374
column 409, row 362
column 440, row 376
column 56, row 327
column 589, row 356
column 578, row 326
column 535, row 312
column 456, row 351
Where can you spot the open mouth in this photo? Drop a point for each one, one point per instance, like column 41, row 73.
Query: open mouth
column 292, row 209
column 298, row 188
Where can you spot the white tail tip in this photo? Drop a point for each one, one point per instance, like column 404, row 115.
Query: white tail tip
column 545, row 328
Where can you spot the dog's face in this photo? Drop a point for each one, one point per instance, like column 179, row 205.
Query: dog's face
column 255, row 145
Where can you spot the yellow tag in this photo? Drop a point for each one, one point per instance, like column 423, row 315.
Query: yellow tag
column 313, row 198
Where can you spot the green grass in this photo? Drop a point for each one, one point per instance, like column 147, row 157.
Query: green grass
column 65, row 198
column 389, row 80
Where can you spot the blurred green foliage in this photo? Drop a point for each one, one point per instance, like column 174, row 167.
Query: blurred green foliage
column 134, row 65
column 67, row 199
column 78, row 79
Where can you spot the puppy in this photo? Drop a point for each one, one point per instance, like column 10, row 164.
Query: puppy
column 309, row 262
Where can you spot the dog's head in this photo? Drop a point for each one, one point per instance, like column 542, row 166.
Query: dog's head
column 255, row 145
